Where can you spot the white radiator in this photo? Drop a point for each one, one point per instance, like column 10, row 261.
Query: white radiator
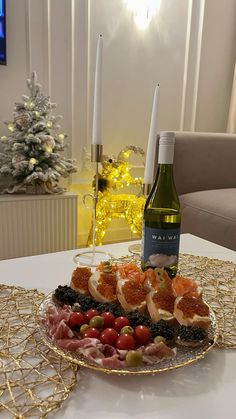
column 35, row 224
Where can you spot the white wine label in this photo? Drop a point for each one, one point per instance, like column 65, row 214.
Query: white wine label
column 160, row 247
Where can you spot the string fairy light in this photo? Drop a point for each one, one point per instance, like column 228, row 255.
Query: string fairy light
column 33, row 161
column 114, row 175
column 48, row 149
column 29, row 105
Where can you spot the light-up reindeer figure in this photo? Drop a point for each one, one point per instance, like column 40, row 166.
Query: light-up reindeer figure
column 113, row 176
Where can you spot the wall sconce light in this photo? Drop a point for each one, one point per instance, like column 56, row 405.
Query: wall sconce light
column 143, row 11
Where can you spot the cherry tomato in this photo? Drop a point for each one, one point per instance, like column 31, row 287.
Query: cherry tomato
column 120, row 322
column 91, row 333
column 90, row 313
column 109, row 319
column 125, row 342
column 76, row 319
column 109, row 336
column 142, row 335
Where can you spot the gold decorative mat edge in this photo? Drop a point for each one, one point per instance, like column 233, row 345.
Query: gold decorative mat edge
column 34, row 381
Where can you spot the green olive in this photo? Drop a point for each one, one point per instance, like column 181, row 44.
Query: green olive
column 83, row 328
column 97, row 322
column 134, row 358
column 127, row 330
column 159, row 339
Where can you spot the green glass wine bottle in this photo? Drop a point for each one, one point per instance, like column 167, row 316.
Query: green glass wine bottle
column 162, row 218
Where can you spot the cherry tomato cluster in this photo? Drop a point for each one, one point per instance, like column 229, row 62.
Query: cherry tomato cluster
column 111, row 330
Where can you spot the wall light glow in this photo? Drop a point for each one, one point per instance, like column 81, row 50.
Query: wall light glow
column 143, row 11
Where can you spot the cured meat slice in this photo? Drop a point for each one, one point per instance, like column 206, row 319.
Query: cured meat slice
column 112, row 362
column 61, row 331
column 156, row 352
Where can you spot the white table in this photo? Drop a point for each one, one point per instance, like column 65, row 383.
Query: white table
column 205, row 389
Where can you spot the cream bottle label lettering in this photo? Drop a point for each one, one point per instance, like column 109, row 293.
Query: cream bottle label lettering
column 161, row 247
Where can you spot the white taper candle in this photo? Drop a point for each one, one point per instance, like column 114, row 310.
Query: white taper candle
column 97, row 105
column 151, row 147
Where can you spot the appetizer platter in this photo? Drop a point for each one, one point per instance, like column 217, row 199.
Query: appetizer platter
column 120, row 320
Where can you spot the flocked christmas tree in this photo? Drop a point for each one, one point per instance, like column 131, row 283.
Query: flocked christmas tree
column 32, row 157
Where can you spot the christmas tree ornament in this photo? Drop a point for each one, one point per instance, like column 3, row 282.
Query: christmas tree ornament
column 10, row 126
column 23, row 120
column 61, row 137
column 31, row 158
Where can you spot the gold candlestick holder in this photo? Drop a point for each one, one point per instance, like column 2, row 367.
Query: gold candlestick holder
column 93, row 257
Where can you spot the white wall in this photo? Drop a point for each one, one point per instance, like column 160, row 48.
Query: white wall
column 189, row 48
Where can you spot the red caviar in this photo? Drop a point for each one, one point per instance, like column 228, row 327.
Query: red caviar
column 190, row 306
column 80, row 277
column 107, row 285
column 134, row 292
column 164, row 301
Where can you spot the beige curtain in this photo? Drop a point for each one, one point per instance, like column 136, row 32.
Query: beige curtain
column 231, row 126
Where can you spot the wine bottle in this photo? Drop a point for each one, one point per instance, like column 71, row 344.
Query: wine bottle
column 161, row 218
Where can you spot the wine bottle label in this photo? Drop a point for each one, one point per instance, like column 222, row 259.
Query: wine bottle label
column 160, row 247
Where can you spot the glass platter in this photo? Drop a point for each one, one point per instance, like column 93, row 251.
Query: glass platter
column 184, row 355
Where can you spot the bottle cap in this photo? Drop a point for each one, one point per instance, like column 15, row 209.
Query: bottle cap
column 167, row 138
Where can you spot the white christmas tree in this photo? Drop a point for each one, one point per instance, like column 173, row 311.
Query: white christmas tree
column 32, row 157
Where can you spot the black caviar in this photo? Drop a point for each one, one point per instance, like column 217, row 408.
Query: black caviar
column 65, row 295
column 189, row 333
column 162, row 328
column 115, row 309
column 86, row 302
column 136, row 318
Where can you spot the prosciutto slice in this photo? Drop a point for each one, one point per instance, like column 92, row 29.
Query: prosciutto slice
column 61, row 331
column 112, row 362
column 156, row 352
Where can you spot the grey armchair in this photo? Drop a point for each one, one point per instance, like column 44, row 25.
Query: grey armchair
column 205, row 177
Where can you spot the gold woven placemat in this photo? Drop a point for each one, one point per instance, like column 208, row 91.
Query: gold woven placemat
column 33, row 379
column 218, row 280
